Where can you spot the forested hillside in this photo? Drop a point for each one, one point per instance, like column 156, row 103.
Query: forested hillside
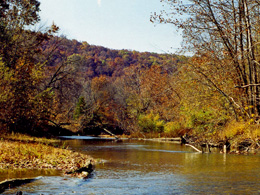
column 98, row 88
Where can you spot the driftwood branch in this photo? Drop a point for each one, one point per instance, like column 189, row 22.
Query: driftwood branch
column 194, row 148
column 111, row 134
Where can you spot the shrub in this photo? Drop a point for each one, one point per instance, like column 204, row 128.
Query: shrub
column 208, row 120
column 172, row 128
column 150, row 123
column 240, row 129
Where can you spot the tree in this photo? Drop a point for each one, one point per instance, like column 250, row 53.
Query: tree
column 25, row 104
column 225, row 33
column 15, row 40
column 80, row 108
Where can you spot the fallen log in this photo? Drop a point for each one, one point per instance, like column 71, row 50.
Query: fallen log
column 110, row 133
column 173, row 139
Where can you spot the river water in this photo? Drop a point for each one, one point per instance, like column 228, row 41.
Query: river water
column 145, row 167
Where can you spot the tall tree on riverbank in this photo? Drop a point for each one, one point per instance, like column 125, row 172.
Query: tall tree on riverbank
column 24, row 104
column 224, row 35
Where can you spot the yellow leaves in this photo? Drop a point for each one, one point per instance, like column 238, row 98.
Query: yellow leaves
column 172, row 127
column 151, row 123
column 240, row 130
column 19, row 87
column 99, row 82
column 37, row 74
column 20, row 63
column 234, row 128
column 53, row 29
column 251, row 121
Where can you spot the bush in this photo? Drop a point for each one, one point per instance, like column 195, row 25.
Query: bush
column 208, row 120
column 172, row 128
column 151, row 123
column 240, row 129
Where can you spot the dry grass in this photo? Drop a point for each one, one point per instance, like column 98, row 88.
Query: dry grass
column 241, row 135
column 27, row 138
column 240, row 129
column 37, row 153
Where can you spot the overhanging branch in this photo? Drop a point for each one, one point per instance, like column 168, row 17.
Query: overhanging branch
column 249, row 85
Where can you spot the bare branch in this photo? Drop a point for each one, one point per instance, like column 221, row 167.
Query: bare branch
column 249, row 85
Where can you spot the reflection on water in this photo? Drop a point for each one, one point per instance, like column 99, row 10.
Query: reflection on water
column 135, row 167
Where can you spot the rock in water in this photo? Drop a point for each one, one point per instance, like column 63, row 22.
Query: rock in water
column 82, row 172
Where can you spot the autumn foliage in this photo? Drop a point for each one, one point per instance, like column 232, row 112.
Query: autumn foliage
column 49, row 80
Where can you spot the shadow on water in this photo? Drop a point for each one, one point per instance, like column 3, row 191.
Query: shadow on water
column 143, row 167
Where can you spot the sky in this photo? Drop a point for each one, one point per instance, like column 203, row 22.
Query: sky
column 115, row 24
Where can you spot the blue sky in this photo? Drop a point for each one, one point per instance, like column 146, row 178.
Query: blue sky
column 116, row 24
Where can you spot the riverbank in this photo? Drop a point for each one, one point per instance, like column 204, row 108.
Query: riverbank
column 239, row 144
column 19, row 151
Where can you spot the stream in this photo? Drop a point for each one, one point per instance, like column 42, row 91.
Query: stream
column 146, row 167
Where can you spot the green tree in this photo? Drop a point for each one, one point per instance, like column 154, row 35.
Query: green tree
column 80, row 108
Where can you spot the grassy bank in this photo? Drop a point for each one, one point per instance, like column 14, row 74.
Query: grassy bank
column 19, row 151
